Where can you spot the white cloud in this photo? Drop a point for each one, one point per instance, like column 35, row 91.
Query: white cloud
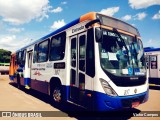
column 15, row 30
column 44, row 13
column 156, row 16
column 57, row 10
column 110, row 11
column 7, row 39
column 58, row 24
column 151, row 43
column 8, row 42
column 11, row 42
column 138, row 4
column 133, row 25
column 127, row 17
column 23, row 11
column 140, row 16
column 64, row 2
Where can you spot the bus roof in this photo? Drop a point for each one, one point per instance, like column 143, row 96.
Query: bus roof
column 88, row 16
column 151, row 49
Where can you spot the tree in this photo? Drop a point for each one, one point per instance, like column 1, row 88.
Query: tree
column 5, row 56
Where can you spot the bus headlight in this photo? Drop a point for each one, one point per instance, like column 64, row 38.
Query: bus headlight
column 107, row 88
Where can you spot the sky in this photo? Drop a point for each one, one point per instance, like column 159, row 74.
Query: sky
column 24, row 21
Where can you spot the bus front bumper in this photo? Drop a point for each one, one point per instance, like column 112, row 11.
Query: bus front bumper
column 103, row 102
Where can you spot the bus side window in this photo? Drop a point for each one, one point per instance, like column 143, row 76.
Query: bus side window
column 43, row 51
column 57, row 48
column 17, row 58
column 23, row 57
column 82, row 52
column 73, row 52
column 35, row 53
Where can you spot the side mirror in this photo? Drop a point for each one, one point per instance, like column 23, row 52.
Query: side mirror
column 98, row 34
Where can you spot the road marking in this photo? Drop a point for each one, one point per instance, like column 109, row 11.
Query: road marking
column 152, row 84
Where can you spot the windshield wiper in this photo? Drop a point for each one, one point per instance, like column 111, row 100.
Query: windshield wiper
column 135, row 51
column 124, row 44
column 115, row 31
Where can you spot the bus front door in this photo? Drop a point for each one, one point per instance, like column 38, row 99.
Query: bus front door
column 78, row 66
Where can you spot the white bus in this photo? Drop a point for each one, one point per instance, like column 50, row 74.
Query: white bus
column 153, row 65
column 96, row 61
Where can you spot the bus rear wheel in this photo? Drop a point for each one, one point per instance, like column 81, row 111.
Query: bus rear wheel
column 56, row 94
column 18, row 82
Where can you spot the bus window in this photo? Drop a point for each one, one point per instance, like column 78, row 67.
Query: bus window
column 23, row 57
column 82, row 50
column 43, row 51
column 73, row 52
column 17, row 57
column 153, row 62
column 35, row 53
column 57, row 49
column 147, row 61
column 73, row 77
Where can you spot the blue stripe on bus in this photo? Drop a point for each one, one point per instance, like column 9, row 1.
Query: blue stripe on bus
column 150, row 49
column 66, row 93
column 11, row 77
column 55, row 32
column 27, row 81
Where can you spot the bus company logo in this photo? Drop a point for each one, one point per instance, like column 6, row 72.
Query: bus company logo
column 6, row 114
column 37, row 73
column 77, row 29
column 135, row 91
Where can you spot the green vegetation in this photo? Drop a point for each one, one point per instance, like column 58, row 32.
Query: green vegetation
column 4, row 64
column 4, row 56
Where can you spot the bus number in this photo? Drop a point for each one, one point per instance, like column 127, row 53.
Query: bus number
column 57, row 72
column 126, row 92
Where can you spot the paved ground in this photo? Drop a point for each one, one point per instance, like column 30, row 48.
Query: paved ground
column 13, row 99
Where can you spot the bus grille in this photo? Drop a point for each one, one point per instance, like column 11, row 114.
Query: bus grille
column 127, row 103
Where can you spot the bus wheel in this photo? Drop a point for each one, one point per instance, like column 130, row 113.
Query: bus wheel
column 18, row 82
column 56, row 94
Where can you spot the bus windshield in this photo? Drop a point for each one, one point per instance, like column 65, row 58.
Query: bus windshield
column 121, row 55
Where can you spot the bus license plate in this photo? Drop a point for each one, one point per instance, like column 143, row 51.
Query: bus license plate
column 135, row 104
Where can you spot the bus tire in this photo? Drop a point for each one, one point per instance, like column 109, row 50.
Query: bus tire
column 56, row 93
column 18, row 82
